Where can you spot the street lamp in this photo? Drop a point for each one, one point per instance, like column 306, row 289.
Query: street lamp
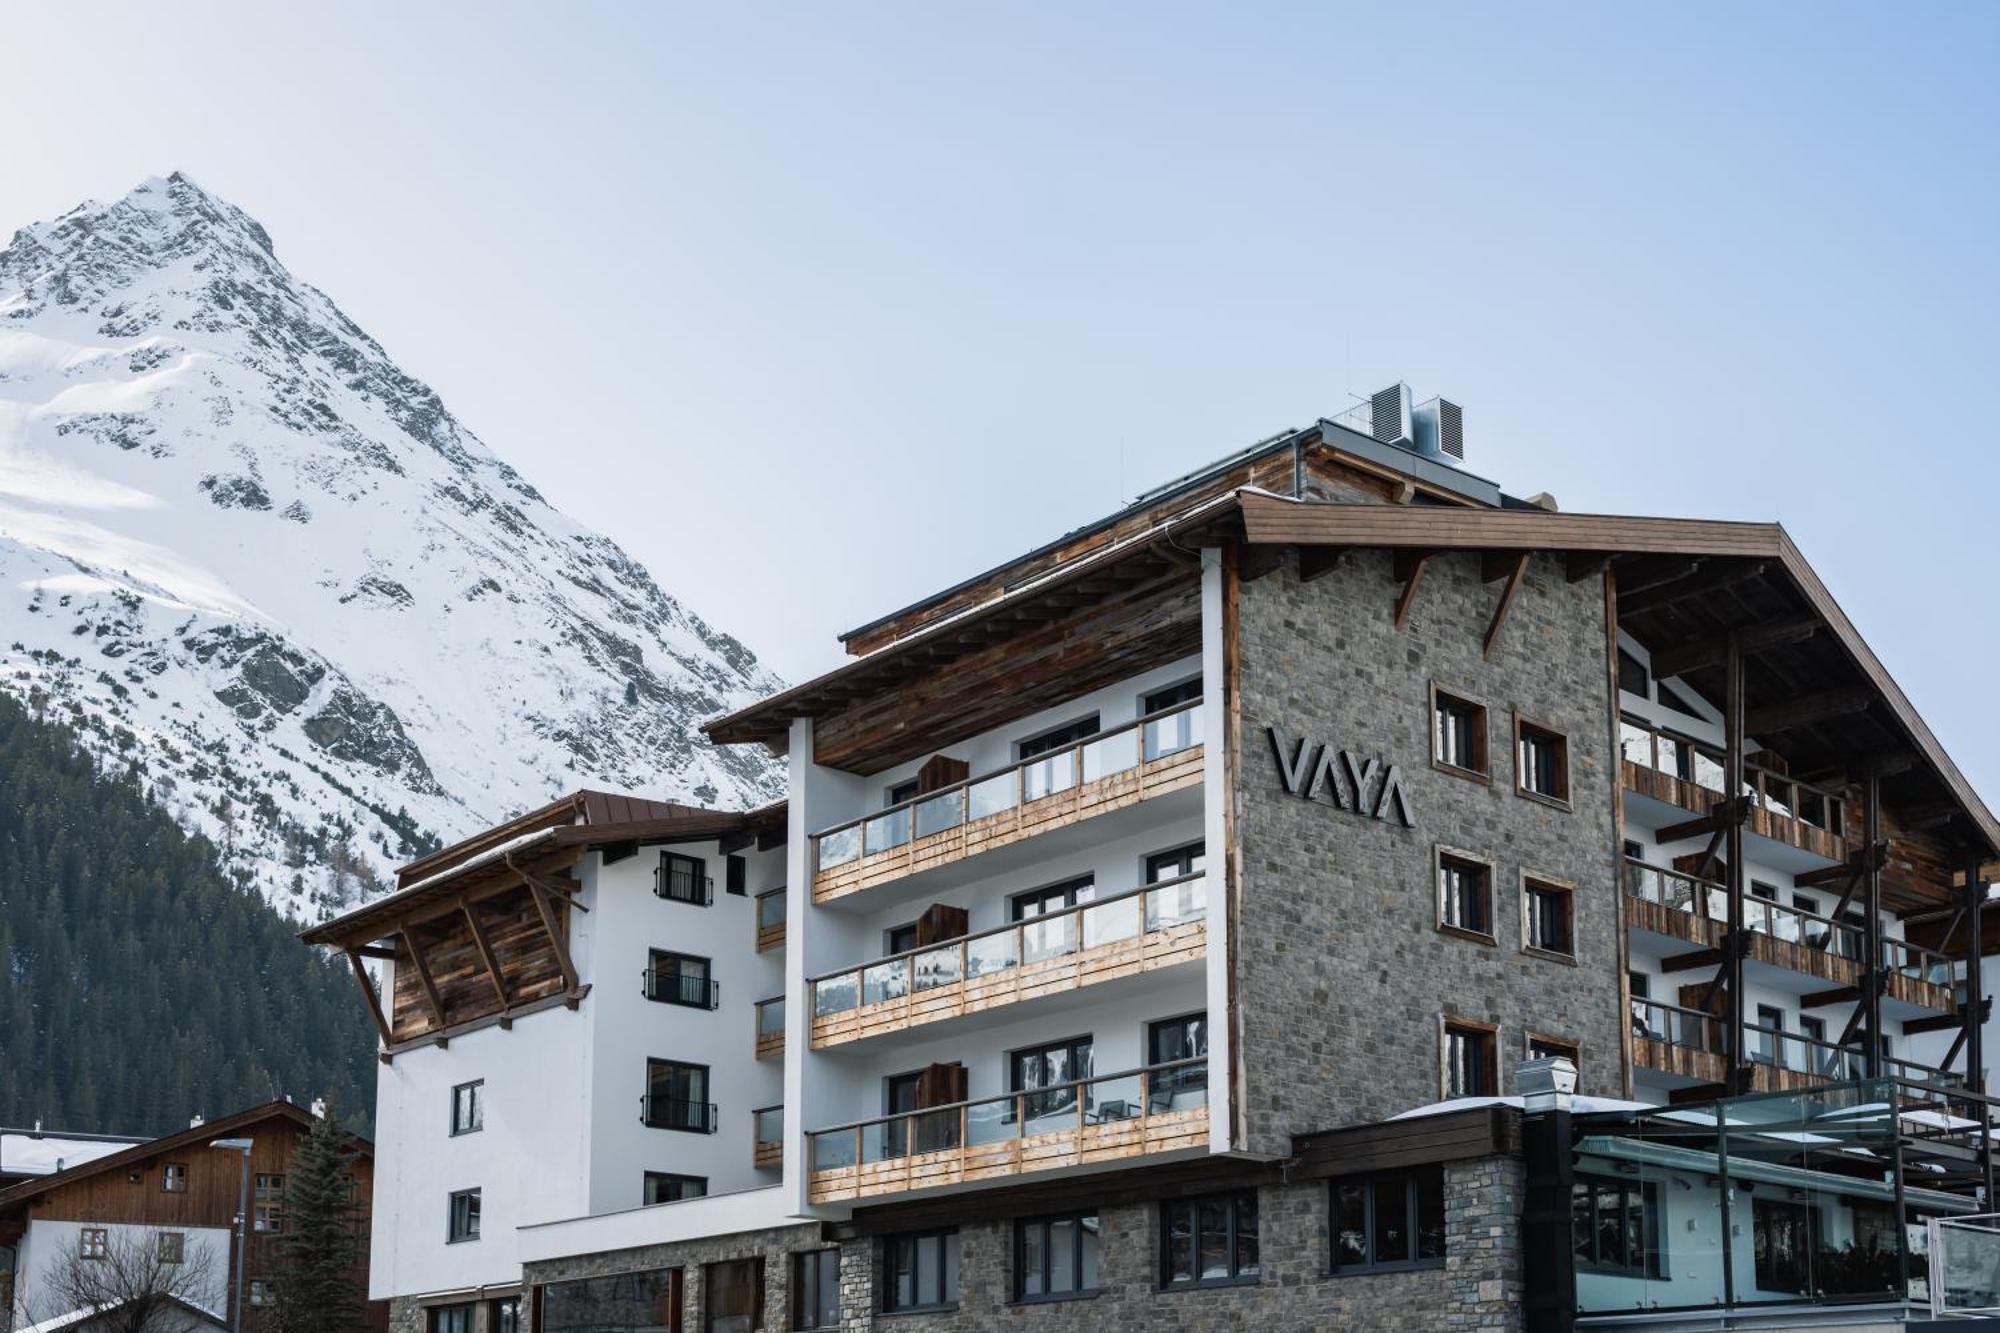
column 242, row 1226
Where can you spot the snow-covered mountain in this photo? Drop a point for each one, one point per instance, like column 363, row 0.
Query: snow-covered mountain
column 244, row 551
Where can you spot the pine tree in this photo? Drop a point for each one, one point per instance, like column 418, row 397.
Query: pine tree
column 321, row 1244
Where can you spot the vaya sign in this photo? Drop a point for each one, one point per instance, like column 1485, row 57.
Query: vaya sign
column 1315, row 772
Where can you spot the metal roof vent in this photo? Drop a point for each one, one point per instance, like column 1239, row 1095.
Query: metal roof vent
column 1385, row 417
column 1440, row 428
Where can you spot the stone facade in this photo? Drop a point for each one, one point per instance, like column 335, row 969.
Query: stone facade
column 1341, row 970
column 1477, row 1288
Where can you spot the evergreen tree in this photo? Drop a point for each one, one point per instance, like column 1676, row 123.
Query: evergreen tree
column 321, row 1245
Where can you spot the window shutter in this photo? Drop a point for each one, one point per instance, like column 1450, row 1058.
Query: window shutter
column 941, row 771
column 941, row 922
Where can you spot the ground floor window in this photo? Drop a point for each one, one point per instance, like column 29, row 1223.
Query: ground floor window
column 642, row 1302
column 1055, row 1256
column 1394, row 1220
column 920, row 1270
column 816, row 1289
column 1209, row 1241
column 504, row 1316
column 733, row 1296
column 451, row 1319
column 1617, row 1227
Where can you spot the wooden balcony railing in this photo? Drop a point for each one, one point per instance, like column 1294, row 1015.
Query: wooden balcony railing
column 1150, row 927
column 1161, row 1108
column 1697, row 910
column 1677, row 1040
column 767, row 1137
column 770, row 920
column 1111, row 770
column 1687, row 773
column 771, row 1028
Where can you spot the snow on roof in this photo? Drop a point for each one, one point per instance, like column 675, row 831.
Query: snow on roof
column 1578, row 1105
column 78, row 1316
column 27, row 1154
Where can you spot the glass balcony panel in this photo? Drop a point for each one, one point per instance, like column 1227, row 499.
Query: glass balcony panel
column 1118, row 1098
column 770, row 1125
column 991, row 953
column 1643, row 882
column 1176, row 904
column 992, row 1121
column 832, row 1149
column 1173, row 733
column 944, row 811
column 990, row 796
column 936, row 967
column 1107, row 923
column 1050, row 937
column 1111, row 754
column 1777, row 796
column 885, row 981
column 839, row 847
column 771, row 910
column 771, row 1018
column 1635, row 744
column 885, row 1140
column 1181, row 1088
column 887, row 831
column 1048, row 775
column 836, row 995
column 1707, row 771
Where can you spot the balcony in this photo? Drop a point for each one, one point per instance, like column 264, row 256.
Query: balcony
column 767, row 1138
column 1682, row 907
column 770, row 920
column 1159, row 1109
column 677, row 1113
column 1688, row 775
column 1690, row 1044
column 690, row 990
column 771, row 1028
column 1142, row 930
column 1113, row 770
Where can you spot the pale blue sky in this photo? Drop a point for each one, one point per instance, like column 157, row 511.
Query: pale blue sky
column 817, row 308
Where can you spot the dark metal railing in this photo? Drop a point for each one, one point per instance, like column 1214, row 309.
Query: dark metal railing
column 677, row 1113
column 671, row 986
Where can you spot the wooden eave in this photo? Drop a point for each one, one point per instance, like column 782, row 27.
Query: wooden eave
column 140, row 1153
column 1750, row 575
column 584, row 806
column 443, row 894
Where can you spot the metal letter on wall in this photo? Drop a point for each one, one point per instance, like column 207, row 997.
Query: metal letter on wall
column 1372, row 788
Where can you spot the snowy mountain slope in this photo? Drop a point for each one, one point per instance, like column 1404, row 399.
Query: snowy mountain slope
column 242, row 549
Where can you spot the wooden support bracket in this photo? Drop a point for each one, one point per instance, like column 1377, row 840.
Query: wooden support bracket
column 1409, row 567
column 1315, row 561
column 431, row 996
column 485, row 954
column 1506, row 602
column 546, row 912
column 374, row 1000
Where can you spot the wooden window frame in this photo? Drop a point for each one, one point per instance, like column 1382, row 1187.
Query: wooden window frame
column 1489, row 1032
column 677, row 1177
column 709, row 1288
column 1571, row 1047
column 1440, row 853
column 805, row 1297
column 173, row 1178
column 1482, row 739
column 1047, row 1221
column 1410, row 1180
column 175, row 1253
column 477, row 1088
column 93, row 1243
column 1233, row 1200
column 945, row 1238
column 267, row 1212
column 452, row 1234
column 1531, row 882
column 1524, row 723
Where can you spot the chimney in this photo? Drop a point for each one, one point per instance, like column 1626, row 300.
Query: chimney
column 197, row 1121
column 319, row 1108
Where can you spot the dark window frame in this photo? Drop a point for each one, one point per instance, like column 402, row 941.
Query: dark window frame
column 670, row 1178
column 706, row 992
column 806, row 1310
column 1528, row 729
column 1533, row 885
column 462, row 1227
column 706, row 1108
column 700, row 891
column 1462, row 859
column 1047, row 1222
column 476, row 1092
column 709, row 1288
column 1652, row 1257
column 1411, row 1180
column 170, row 1173
column 1481, row 726
column 1081, row 1049
column 946, row 1239
column 1239, row 1275
column 1190, row 858
column 1488, row 1038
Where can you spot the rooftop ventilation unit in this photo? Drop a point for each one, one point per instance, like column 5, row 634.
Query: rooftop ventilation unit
column 1440, row 428
column 1385, row 417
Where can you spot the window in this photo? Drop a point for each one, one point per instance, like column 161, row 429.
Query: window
column 269, row 1201
column 172, row 1247
column 1770, row 1035
column 1671, row 697
column 1469, row 1064
column 646, row 1299
column 816, row 1289
column 733, row 1296
column 93, row 1243
column 1541, row 761
column 680, row 978
column 504, row 1315
column 1782, row 1242
column 1050, row 939
column 1542, row 1048
column 264, row 1293
column 677, row 1097
column 1206, row 1242
column 920, row 1270
column 1049, row 1066
column 1458, row 733
column 464, row 1216
column 1633, row 678
column 1546, row 917
column 1465, row 895
column 1395, row 1220
column 468, row 1107
column 899, row 792
column 736, row 876
column 899, row 939
column 682, row 879
column 1169, row 1040
column 443, row 1318
column 1055, row 1257
column 1057, row 771
column 1617, row 1227
column 666, row 1187
column 1180, row 861
column 174, row 1177
column 1172, row 734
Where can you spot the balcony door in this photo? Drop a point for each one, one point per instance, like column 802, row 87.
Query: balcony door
column 1050, row 939
column 1057, row 772
column 919, row 1090
column 1169, row 735
column 1170, row 1040
column 1050, row 1074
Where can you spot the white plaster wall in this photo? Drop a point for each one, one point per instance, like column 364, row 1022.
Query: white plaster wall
column 690, row 1219
column 47, row 1245
column 627, row 1029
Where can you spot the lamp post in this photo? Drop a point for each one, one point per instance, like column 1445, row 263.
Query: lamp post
column 242, row 1226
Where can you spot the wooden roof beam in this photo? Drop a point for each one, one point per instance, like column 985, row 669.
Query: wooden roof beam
column 1679, row 659
column 1712, row 578
column 431, row 996
column 1720, row 816
column 1581, row 565
column 557, row 940
column 1883, row 764
column 1315, row 561
column 374, row 1001
column 1804, row 711
column 486, row 955
column 1408, row 567
column 1517, row 575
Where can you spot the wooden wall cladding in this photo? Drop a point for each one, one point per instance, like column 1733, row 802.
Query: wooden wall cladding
column 514, row 930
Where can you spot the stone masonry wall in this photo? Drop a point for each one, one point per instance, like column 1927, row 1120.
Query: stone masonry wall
column 1341, row 970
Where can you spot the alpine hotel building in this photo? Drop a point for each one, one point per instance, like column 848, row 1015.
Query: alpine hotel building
column 1194, row 923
